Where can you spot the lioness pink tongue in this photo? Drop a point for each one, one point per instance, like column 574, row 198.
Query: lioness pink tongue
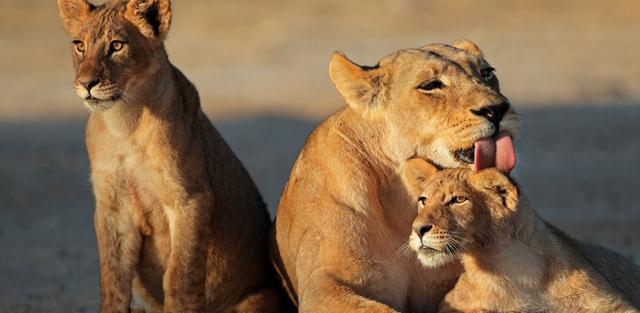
column 484, row 154
column 505, row 153
column 498, row 152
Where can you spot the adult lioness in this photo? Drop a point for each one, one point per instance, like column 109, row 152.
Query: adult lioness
column 344, row 213
column 177, row 218
column 514, row 261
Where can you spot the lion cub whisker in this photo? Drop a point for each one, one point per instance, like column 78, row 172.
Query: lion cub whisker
column 514, row 261
column 404, row 249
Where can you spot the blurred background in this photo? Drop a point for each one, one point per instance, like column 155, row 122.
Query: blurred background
column 570, row 68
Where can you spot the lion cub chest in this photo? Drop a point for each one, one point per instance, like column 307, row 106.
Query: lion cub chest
column 137, row 186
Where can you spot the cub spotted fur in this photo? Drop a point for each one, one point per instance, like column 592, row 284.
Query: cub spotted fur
column 513, row 260
column 178, row 219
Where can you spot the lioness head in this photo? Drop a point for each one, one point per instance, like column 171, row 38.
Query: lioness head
column 440, row 102
column 459, row 210
column 116, row 47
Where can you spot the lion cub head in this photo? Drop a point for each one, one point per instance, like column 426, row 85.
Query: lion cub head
column 440, row 102
column 460, row 211
column 117, row 48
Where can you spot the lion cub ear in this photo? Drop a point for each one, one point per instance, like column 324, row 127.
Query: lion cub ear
column 415, row 174
column 152, row 17
column 469, row 47
column 360, row 86
column 74, row 13
column 494, row 182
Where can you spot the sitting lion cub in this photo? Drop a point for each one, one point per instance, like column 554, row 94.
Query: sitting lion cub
column 514, row 261
column 180, row 225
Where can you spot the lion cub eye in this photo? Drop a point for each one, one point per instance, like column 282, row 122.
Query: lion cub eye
column 430, row 85
column 116, row 45
column 422, row 200
column 487, row 73
column 458, row 200
column 78, row 46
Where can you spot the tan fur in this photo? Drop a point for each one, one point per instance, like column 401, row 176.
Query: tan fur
column 513, row 260
column 178, row 219
column 343, row 219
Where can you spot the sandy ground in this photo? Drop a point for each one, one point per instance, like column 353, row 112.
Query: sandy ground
column 577, row 166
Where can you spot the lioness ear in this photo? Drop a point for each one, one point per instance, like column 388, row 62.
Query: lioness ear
column 152, row 17
column 469, row 47
column 415, row 174
column 493, row 181
column 74, row 13
column 360, row 86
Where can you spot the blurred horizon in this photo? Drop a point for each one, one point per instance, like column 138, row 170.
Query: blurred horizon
column 251, row 58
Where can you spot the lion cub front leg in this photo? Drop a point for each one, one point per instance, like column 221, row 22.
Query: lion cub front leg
column 184, row 278
column 119, row 249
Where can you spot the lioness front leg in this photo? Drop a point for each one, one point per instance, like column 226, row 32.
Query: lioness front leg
column 119, row 250
column 339, row 280
column 261, row 301
column 329, row 295
column 448, row 309
column 184, row 278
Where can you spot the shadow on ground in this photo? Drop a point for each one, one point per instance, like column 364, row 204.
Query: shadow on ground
column 577, row 166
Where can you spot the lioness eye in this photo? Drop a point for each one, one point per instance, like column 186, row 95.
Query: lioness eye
column 458, row 199
column 431, row 85
column 422, row 200
column 79, row 46
column 487, row 73
column 117, row 45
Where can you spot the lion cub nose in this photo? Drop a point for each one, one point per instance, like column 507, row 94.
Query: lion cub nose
column 88, row 83
column 421, row 229
column 494, row 113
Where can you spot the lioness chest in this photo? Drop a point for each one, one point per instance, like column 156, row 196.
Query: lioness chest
column 410, row 287
column 398, row 279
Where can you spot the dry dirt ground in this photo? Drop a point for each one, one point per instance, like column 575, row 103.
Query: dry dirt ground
column 577, row 166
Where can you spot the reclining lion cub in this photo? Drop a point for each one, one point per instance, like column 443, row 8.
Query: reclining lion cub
column 177, row 218
column 513, row 260
column 343, row 217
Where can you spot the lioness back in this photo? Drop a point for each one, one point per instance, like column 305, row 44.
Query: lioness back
column 620, row 272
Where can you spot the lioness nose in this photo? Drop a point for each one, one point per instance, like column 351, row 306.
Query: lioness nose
column 89, row 83
column 494, row 113
column 422, row 229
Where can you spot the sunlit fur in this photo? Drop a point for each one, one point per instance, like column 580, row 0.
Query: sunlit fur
column 447, row 239
column 513, row 260
column 437, row 249
column 344, row 217
column 179, row 222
